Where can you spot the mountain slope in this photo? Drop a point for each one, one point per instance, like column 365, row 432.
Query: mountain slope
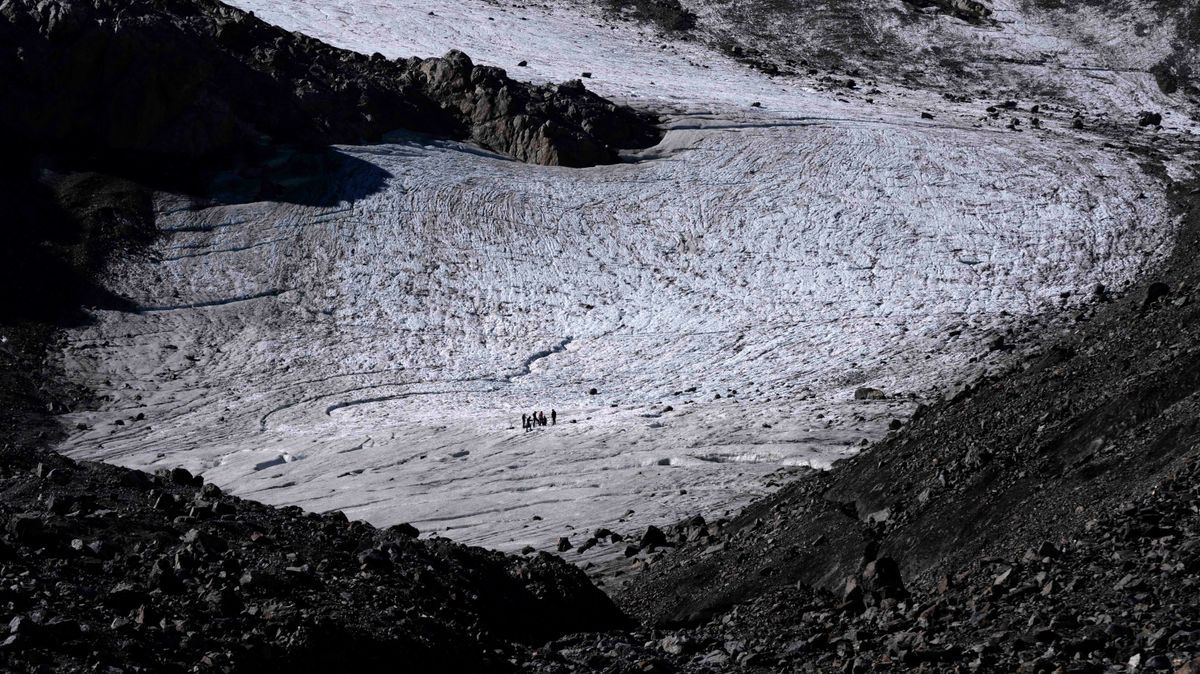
column 370, row 341
column 110, row 568
column 1044, row 518
column 188, row 80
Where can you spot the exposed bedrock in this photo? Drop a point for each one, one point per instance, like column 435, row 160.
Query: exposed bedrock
column 197, row 79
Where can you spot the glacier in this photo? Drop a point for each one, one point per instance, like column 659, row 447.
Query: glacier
column 372, row 349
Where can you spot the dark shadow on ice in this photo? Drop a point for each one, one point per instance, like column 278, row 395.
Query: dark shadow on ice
column 415, row 139
column 55, row 236
column 308, row 177
column 65, row 217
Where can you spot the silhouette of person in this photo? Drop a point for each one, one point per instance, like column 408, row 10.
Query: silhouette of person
column 553, row 417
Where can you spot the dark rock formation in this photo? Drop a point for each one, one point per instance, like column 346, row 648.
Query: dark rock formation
column 97, row 576
column 197, row 79
column 867, row 393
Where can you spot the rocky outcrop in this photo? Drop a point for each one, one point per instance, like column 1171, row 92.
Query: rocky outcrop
column 197, row 79
column 108, row 569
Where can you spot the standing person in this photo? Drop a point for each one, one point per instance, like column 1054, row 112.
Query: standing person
column 542, row 416
column 524, row 420
column 553, row 417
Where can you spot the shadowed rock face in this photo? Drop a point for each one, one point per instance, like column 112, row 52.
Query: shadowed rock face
column 197, row 79
column 160, row 572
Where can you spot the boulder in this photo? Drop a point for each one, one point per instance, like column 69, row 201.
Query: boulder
column 136, row 479
column 26, row 528
column 1154, row 292
column 1148, row 118
column 676, row 645
column 404, row 529
column 124, row 597
column 882, row 577
column 205, row 541
column 374, row 560
column 653, row 537
column 1190, row 667
column 867, row 393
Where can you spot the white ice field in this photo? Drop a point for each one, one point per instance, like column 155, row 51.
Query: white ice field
column 375, row 356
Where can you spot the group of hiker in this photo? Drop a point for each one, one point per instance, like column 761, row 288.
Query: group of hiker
column 528, row 421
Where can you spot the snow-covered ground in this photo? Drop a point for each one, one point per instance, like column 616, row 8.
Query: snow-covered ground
column 375, row 355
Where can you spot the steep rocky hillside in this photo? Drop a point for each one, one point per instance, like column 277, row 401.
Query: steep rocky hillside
column 1101, row 57
column 1046, row 517
column 106, row 567
column 197, row 79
